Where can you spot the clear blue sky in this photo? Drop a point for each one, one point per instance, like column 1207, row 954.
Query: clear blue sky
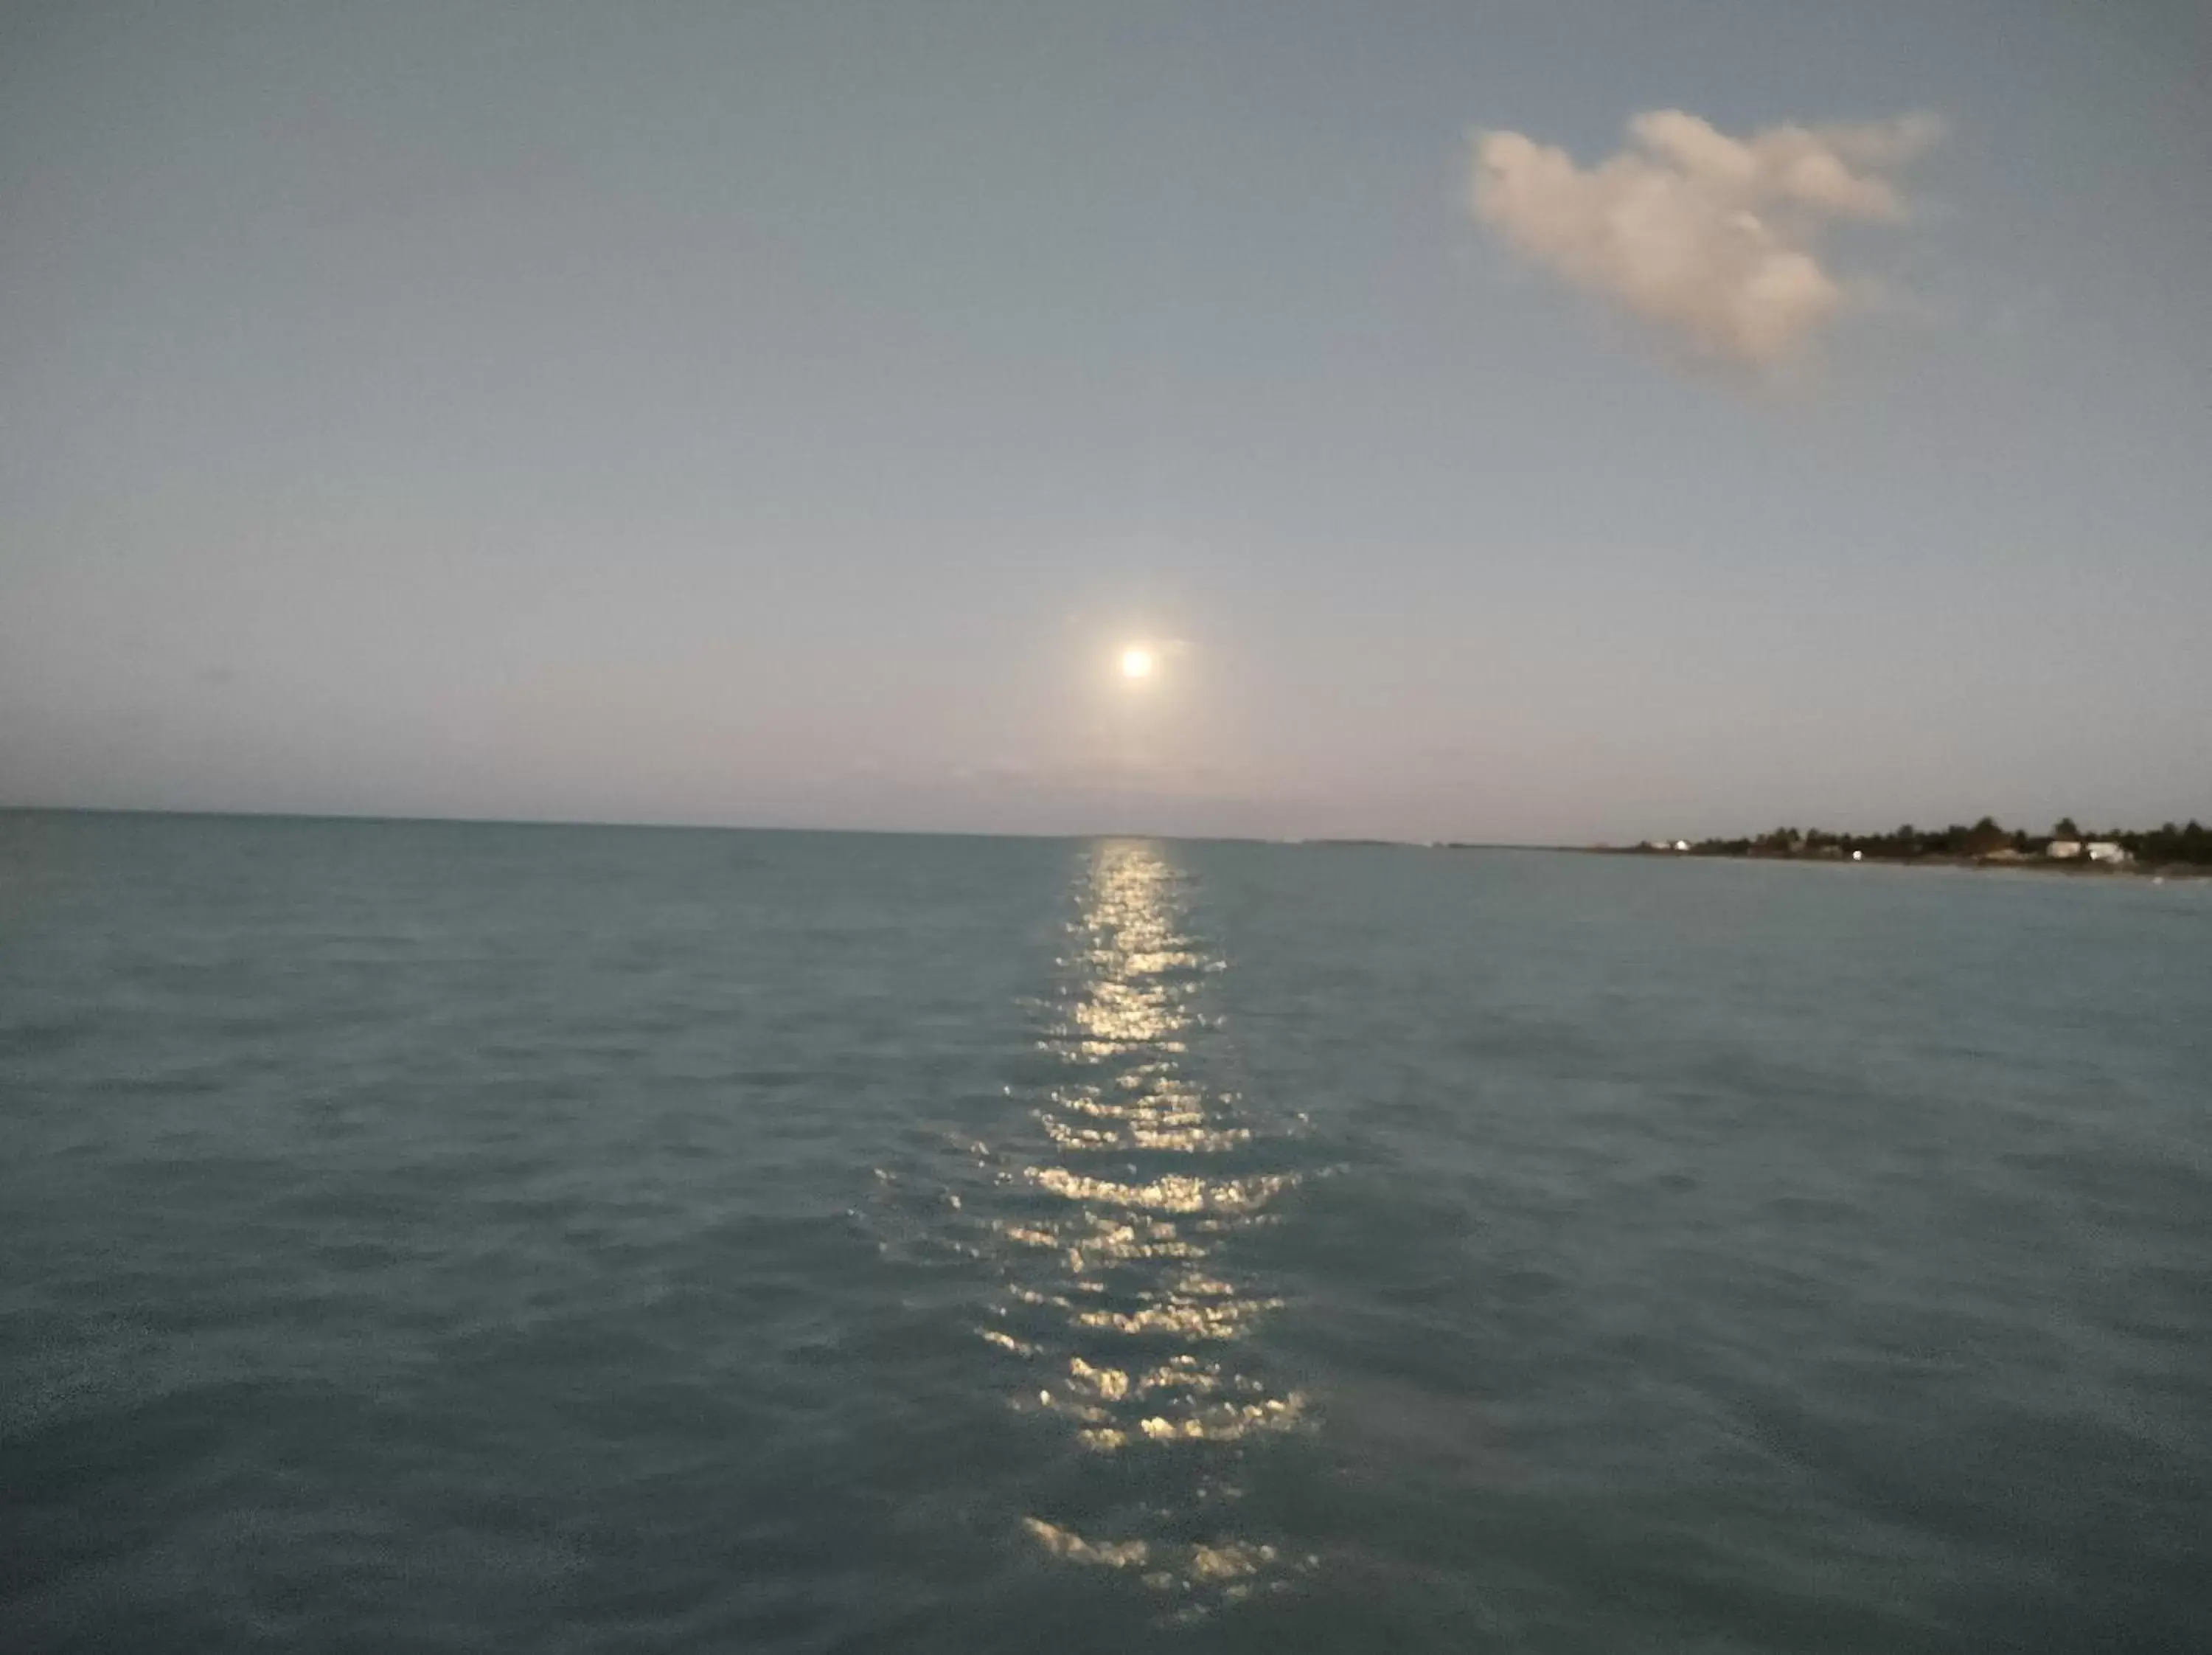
column 784, row 414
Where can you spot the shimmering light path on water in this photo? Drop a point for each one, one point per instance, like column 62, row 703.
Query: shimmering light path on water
column 454, row 1237
column 1111, row 1212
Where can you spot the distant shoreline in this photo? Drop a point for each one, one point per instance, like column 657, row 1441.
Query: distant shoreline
column 2076, row 869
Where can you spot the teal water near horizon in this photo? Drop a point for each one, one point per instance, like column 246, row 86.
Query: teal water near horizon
column 428, row 1236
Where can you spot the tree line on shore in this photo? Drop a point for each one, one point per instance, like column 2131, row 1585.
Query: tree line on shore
column 2192, row 842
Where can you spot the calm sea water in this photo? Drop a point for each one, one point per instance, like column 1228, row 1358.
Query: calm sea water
column 446, row 1237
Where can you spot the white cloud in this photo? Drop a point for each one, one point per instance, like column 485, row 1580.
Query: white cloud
column 1712, row 239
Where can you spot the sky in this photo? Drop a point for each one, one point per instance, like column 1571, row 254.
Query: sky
column 1531, row 421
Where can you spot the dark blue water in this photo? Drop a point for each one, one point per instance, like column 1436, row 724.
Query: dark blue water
column 424, row 1237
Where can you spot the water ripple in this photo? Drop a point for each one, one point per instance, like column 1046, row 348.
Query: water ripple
column 1120, row 1293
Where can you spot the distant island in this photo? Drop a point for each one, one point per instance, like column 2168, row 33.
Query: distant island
column 2066, row 848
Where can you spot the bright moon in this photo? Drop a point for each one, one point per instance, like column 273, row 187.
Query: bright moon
column 1137, row 663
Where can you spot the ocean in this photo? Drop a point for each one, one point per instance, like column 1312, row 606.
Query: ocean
column 456, row 1237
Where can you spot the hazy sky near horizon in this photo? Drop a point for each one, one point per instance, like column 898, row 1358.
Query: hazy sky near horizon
column 1526, row 421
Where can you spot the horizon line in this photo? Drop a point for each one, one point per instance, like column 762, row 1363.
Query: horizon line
column 1340, row 840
